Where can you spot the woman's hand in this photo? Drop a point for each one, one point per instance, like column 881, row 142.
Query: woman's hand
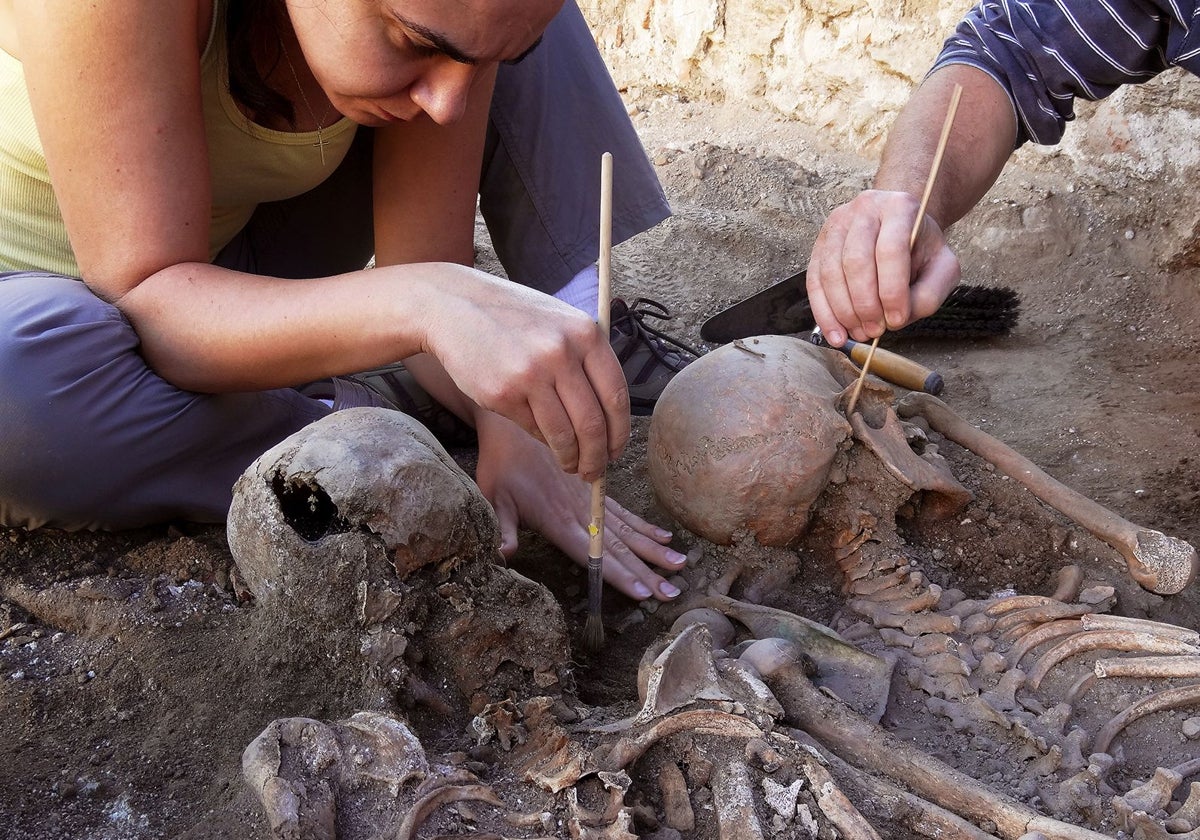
column 863, row 278
column 518, row 476
column 535, row 360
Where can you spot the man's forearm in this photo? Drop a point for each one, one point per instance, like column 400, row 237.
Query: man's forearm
column 980, row 142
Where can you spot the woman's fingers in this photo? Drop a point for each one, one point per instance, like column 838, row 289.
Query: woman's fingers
column 629, row 542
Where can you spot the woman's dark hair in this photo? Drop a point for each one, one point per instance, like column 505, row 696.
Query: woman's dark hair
column 248, row 24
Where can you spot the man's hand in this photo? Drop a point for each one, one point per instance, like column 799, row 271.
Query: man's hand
column 863, row 278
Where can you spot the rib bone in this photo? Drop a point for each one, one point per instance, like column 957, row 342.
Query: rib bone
column 1170, row 698
column 1104, row 640
column 1150, row 667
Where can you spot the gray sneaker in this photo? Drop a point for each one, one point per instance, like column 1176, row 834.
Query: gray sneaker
column 392, row 386
column 649, row 357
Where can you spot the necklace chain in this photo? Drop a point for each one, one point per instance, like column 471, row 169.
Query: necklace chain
column 304, row 98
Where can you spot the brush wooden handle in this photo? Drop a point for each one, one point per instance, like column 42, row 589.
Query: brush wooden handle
column 896, row 368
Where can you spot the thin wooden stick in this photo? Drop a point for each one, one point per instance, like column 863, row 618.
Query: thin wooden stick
column 916, row 229
column 593, row 635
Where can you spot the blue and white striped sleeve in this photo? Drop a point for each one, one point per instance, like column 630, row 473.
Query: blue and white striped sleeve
column 1046, row 53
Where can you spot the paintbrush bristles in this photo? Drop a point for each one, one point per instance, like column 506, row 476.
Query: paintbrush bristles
column 916, row 228
column 593, row 633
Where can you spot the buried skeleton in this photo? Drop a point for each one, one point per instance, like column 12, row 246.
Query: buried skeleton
column 424, row 690
column 138, row 668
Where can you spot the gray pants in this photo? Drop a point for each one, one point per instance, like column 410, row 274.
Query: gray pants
column 90, row 437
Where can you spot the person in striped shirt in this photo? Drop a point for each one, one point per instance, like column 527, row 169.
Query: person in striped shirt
column 1021, row 66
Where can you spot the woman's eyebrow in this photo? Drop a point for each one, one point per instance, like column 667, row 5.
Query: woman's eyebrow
column 439, row 41
column 442, row 44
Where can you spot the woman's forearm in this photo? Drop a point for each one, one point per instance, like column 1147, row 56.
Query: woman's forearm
column 209, row 329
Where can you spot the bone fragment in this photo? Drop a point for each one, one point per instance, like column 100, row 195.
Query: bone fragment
column 897, row 805
column 914, row 591
column 1189, row 812
column 1048, row 763
column 992, row 663
column 1162, row 564
column 1007, row 625
column 733, row 794
column 978, row 624
column 1079, row 688
column 1054, row 720
column 1078, row 797
column 858, row 631
column 1067, row 583
column 871, row 585
column 1012, row 603
column 982, row 645
column 1102, row 596
column 968, row 606
column 1170, row 698
column 1073, row 746
column 720, row 628
column 949, row 686
column 870, row 746
column 1150, row 797
column 921, row 600
column 1188, row 768
column 1150, row 667
column 1004, row 695
column 1105, row 621
column 1124, row 640
column 1146, row 827
column 944, row 663
column 430, row 802
column 615, row 816
column 1041, row 635
column 681, row 674
column 627, row 750
column 965, row 713
column 762, row 755
column 677, row 806
column 933, row 643
column 849, row 540
column 836, row 806
column 896, row 638
column 919, row 625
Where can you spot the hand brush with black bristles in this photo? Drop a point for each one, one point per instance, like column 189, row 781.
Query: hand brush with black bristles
column 783, row 309
column 968, row 312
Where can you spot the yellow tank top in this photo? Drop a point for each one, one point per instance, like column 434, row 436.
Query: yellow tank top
column 249, row 164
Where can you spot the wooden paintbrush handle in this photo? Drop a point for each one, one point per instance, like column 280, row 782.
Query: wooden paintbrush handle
column 896, row 368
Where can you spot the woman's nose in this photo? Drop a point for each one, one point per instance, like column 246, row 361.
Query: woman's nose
column 442, row 91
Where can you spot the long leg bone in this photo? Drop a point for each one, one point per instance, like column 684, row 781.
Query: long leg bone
column 1159, row 563
column 870, row 746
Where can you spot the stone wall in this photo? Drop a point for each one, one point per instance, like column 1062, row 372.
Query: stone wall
column 846, row 68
